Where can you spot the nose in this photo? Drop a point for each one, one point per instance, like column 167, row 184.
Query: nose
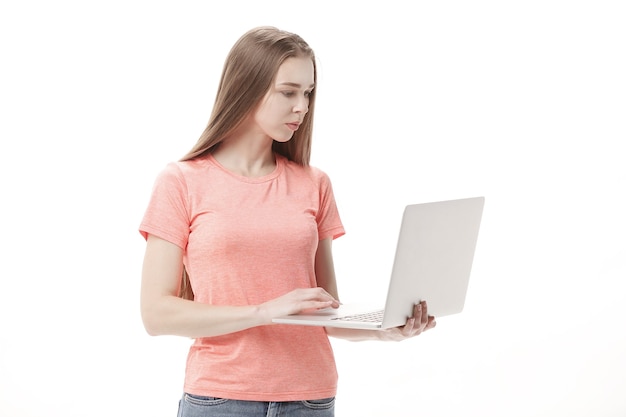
column 302, row 106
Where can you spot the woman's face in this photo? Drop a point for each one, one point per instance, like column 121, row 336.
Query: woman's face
column 284, row 106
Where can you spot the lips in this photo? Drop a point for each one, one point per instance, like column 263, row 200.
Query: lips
column 293, row 126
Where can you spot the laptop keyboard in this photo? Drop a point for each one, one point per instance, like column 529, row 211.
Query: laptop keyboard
column 371, row 317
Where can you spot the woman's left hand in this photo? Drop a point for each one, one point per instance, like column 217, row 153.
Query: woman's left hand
column 416, row 325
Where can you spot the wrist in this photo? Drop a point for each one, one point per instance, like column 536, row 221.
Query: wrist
column 262, row 314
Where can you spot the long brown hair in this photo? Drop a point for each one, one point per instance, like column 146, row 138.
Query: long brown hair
column 249, row 71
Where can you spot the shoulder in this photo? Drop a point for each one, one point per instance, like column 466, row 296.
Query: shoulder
column 311, row 173
column 180, row 177
column 190, row 167
column 183, row 170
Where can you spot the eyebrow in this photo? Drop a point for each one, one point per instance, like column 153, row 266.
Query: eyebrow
column 290, row 84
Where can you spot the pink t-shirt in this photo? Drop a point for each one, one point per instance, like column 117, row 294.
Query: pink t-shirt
column 246, row 241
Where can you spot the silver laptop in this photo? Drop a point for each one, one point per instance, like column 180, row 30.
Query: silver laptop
column 433, row 260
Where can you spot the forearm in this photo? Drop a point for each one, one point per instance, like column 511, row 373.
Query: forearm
column 170, row 315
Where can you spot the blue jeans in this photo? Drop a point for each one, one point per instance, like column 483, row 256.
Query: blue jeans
column 197, row 406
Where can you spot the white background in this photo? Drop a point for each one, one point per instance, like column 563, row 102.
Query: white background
column 523, row 102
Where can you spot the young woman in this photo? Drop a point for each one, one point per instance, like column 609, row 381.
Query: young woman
column 239, row 231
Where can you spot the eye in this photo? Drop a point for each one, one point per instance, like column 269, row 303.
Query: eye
column 287, row 93
column 308, row 93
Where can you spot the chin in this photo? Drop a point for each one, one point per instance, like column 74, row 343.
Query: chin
column 283, row 139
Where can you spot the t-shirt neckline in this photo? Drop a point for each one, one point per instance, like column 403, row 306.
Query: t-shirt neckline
column 252, row 180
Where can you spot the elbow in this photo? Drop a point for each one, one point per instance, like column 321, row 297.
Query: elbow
column 150, row 327
column 161, row 315
column 151, row 330
column 152, row 323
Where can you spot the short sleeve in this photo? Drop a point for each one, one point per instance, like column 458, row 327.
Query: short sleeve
column 167, row 215
column 328, row 219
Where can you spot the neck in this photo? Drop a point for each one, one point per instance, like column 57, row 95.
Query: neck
column 246, row 158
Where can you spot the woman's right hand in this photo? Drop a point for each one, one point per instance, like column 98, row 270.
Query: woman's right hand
column 298, row 301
